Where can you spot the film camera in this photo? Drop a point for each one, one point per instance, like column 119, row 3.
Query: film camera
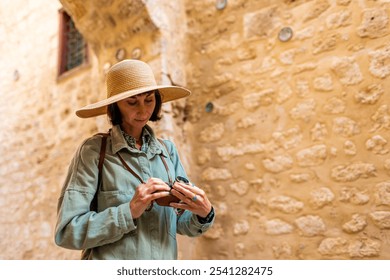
column 165, row 201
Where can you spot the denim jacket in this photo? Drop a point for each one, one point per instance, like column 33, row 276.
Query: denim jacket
column 111, row 232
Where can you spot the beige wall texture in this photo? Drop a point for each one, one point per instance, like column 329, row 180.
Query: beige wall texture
column 288, row 137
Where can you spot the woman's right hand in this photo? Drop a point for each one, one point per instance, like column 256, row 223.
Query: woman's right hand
column 144, row 194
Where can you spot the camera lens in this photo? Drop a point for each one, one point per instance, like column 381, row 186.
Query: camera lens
column 181, row 179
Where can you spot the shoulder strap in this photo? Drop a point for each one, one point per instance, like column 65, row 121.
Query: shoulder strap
column 129, row 169
column 101, row 158
column 178, row 211
column 93, row 205
column 86, row 254
column 163, row 160
column 165, row 145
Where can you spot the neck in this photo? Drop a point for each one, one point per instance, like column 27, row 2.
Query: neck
column 136, row 133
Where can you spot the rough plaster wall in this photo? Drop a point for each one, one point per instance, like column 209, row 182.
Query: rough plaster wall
column 295, row 152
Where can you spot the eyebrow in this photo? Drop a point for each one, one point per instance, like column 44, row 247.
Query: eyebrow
column 149, row 93
column 145, row 93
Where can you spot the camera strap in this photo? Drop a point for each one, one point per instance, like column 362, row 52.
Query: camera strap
column 128, row 168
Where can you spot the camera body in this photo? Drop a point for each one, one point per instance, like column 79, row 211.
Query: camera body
column 165, row 201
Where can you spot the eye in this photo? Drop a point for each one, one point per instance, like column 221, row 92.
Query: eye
column 132, row 103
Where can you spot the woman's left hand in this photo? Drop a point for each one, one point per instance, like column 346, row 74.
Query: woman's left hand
column 192, row 198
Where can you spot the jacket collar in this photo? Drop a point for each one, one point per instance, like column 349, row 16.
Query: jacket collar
column 119, row 143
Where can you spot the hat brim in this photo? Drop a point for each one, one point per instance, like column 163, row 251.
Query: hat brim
column 168, row 93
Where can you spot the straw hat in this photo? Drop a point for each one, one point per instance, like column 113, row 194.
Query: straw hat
column 128, row 78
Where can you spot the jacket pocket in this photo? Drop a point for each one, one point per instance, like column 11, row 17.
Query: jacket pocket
column 108, row 199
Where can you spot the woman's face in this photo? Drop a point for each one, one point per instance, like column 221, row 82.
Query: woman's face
column 137, row 110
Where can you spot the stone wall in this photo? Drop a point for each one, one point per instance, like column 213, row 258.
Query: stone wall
column 38, row 128
column 289, row 138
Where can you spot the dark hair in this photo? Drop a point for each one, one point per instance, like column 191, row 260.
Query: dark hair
column 115, row 116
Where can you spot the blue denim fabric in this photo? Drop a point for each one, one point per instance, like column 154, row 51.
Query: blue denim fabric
column 111, row 232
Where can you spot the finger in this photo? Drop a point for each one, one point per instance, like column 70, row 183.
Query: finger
column 158, row 195
column 186, row 190
column 156, row 182
column 188, row 187
column 190, row 200
column 180, row 205
column 157, row 186
column 190, row 194
column 153, row 180
column 178, row 194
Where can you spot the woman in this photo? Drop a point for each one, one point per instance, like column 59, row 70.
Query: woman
column 141, row 189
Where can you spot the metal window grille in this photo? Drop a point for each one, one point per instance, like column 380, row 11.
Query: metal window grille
column 73, row 48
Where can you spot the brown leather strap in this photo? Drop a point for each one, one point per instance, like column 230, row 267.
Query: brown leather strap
column 101, row 158
column 93, row 205
column 137, row 176
column 167, row 168
column 163, row 160
column 165, row 145
column 129, row 169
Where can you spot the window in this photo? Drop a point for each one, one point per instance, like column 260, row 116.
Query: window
column 73, row 51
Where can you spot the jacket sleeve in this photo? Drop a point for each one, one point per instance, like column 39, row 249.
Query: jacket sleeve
column 77, row 227
column 187, row 223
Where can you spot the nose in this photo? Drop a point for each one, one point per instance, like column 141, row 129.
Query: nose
column 141, row 109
